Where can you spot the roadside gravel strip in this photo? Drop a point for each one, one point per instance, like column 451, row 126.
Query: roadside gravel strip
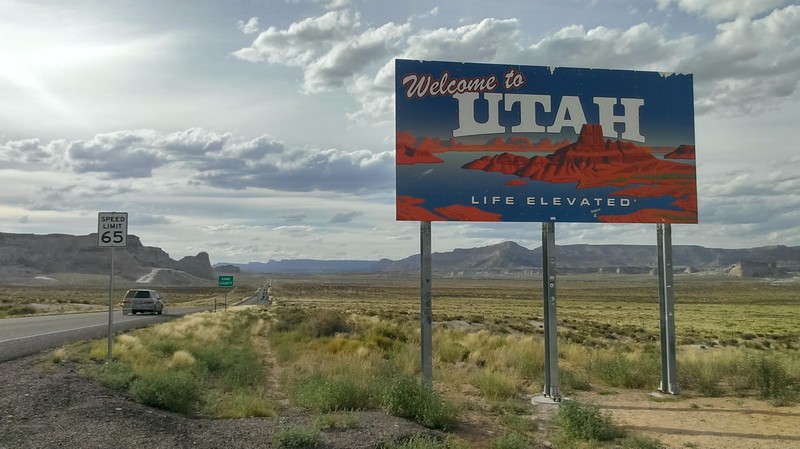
column 19, row 347
column 28, row 335
column 43, row 406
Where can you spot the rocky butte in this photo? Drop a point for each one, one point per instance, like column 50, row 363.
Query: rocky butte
column 28, row 255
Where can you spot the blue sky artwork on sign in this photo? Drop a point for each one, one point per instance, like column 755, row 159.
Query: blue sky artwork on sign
column 495, row 142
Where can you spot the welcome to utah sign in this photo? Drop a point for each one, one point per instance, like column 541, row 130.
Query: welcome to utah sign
column 494, row 142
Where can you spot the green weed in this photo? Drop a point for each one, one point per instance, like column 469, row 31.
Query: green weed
column 406, row 397
column 586, row 422
column 298, row 438
column 173, row 391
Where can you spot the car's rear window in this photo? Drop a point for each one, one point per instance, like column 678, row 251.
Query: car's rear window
column 138, row 294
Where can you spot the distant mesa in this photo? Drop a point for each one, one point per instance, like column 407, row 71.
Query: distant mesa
column 47, row 256
column 227, row 269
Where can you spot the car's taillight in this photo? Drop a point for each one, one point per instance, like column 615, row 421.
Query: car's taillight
column 126, row 302
column 148, row 302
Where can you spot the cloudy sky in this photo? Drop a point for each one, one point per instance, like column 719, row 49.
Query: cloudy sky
column 259, row 130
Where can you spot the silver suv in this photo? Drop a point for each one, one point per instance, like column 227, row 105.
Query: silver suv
column 142, row 300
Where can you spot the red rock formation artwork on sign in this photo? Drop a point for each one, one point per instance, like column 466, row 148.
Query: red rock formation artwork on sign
column 412, row 150
column 410, row 208
column 409, row 153
column 682, row 152
column 593, row 161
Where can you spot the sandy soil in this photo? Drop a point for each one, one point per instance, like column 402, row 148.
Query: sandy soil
column 705, row 423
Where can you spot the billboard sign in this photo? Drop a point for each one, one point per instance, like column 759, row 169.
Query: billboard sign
column 497, row 142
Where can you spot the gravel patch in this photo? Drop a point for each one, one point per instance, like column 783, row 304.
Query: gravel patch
column 43, row 406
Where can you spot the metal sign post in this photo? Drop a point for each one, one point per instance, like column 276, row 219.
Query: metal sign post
column 223, row 281
column 551, row 385
column 112, row 231
column 110, row 307
column 425, row 311
column 666, row 306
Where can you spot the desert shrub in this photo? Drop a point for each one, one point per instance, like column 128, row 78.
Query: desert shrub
column 586, row 422
column 243, row 368
column 239, row 404
column 298, row 437
column 331, row 392
column 405, row 397
column 428, row 442
column 16, row 310
column 288, row 319
column 58, row 356
column 449, row 351
column 639, row 442
column 336, row 420
column 164, row 346
column 325, row 323
column 181, row 359
column 494, row 385
column 770, row 378
column 570, row 380
column 390, row 331
column 701, row 376
column 620, row 370
column 342, row 344
column 173, row 391
column 115, row 375
column 518, row 423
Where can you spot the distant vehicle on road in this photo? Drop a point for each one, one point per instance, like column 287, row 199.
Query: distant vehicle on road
column 142, row 300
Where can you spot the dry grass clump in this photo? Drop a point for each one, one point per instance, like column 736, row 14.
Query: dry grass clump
column 181, row 359
column 204, row 363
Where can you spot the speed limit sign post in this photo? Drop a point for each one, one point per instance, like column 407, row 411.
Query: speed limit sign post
column 112, row 231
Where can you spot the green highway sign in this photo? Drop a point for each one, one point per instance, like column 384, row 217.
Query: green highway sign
column 225, row 281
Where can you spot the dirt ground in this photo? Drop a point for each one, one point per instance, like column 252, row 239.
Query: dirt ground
column 701, row 422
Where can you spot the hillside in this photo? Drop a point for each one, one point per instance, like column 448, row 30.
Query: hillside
column 511, row 259
column 27, row 256
column 30, row 255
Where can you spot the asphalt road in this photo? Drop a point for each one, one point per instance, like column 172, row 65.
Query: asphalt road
column 28, row 335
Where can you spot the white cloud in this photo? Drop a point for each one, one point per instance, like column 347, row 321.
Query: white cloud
column 249, row 27
column 749, row 63
column 641, row 47
column 490, row 40
column 303, row 42
column 331, row 48
column 724, row 9
column 228, row 156
column 210, row 158
column 350, row 56
column 344, row 217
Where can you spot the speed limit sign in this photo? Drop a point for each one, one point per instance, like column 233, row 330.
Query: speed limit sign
column 112, row 229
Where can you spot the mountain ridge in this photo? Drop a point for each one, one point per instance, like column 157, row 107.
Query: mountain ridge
column 511, row 259
column 26, row 256
column 29, row 255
